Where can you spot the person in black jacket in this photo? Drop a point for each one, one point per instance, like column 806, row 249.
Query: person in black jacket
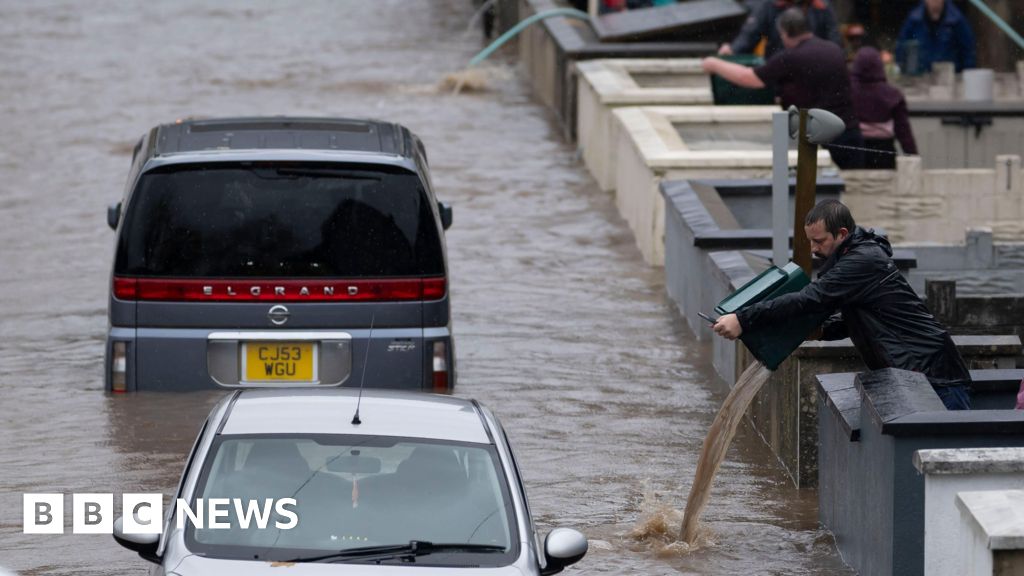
column 761, row 23
column 877, row 309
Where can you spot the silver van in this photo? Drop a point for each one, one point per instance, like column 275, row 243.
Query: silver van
column 279, row 251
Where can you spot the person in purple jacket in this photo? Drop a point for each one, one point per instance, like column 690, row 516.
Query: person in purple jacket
column 881, row 111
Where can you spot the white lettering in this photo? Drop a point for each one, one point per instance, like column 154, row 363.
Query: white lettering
column 207, row 290
column 279, row 290
column 196, row 518
column 246, row 515
column 304, row 291
column 231, row 291
column 279, row 506
column 255, row 290
column 217, row 508
column 328, row 290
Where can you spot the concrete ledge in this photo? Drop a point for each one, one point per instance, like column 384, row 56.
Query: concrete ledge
column 970, row 461
column 998, row 515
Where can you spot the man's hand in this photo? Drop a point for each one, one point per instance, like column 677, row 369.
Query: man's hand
column 725, row 50
column 710, row 65
column 728, row 326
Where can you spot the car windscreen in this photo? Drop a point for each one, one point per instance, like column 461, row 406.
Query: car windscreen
column 355, row 492
column 278, row 220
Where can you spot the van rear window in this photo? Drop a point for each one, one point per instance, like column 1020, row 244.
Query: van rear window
column 261, row 220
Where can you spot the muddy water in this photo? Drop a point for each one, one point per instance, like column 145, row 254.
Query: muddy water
column 561, row 328
column 716, row 445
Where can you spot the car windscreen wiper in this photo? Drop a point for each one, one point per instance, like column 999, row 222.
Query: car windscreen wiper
column 410, row 550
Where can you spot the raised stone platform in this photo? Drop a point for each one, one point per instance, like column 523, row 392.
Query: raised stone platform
column 869, row 493
column 549, row 50
column 685, row 143
column 604, row 85
column 951, row 471
column 991, row 533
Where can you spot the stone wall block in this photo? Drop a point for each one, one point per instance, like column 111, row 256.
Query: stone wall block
column 908, row 175
column 980, row 253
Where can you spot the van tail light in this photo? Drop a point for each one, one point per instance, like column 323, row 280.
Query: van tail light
column 269, row 290
column 119, row 367
column 440, row 374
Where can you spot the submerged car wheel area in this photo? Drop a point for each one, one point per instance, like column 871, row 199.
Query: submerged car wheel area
column 279, row 251
column 417, row 480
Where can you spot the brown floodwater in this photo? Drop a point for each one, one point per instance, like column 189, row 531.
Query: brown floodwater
column 562, row 330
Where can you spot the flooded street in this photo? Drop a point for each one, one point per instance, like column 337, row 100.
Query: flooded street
column 561, row 328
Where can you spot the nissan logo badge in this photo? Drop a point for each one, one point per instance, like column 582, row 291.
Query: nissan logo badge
column 278, row 315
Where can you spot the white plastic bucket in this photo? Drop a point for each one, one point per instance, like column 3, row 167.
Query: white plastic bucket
column 978, row 83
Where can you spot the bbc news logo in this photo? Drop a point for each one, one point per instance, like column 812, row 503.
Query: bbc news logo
column 142, row 513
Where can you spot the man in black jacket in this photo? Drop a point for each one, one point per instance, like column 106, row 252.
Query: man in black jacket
column 877, row 308
column 761, row 23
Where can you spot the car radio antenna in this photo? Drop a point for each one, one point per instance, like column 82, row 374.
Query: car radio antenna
column 362, row 378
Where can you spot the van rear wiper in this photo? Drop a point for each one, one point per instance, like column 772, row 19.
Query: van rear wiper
column 410, row 550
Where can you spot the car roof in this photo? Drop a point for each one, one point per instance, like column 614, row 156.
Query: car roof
column 381, row 412
column 282, row 133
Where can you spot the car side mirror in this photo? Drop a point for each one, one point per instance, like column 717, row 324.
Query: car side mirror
column 144, row 544
column 563, row 547
column 113, row 215
column 446, row 214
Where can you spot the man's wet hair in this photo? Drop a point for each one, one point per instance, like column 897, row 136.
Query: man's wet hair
column 793, row 22
column 834, row 214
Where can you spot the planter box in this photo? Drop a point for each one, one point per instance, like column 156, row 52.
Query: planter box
column 685, row 143
column 604, row 85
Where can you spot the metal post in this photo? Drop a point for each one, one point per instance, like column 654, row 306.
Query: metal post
column 780, row 188
column 806, row 181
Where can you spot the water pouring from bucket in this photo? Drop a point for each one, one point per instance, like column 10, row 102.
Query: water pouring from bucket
column 770, row 346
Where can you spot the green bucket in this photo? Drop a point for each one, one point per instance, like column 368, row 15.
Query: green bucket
column 773, row 344
column 727, row 93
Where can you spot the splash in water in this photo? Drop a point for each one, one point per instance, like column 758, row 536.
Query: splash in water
column 717, row 443
column 656, row 528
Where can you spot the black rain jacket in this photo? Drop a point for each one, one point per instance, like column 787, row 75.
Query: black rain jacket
column 878, row 310
column 761, row 22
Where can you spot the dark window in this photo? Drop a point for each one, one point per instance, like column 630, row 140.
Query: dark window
column 284, row 219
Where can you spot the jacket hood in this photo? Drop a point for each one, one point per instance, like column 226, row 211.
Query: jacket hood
column 861, row 236
column 867, row 66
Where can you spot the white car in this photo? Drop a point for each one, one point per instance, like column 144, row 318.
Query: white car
column 325, row 483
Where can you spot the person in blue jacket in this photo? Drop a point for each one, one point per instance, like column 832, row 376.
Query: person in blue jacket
column 942, row 34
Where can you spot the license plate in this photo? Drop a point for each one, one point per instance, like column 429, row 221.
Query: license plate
column 279, row 362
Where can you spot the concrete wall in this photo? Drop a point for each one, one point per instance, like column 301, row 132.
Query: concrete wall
column 917, row 206
column 947, row 472
column 870, row 495
column 979, row 265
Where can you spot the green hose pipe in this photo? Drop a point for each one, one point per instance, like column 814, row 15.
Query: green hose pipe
column 980, row 5
column 567, row 12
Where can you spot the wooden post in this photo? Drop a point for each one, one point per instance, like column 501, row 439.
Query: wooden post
column 941, row 296
column 806, row 181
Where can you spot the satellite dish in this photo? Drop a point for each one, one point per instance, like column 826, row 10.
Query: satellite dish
column 822, row 125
